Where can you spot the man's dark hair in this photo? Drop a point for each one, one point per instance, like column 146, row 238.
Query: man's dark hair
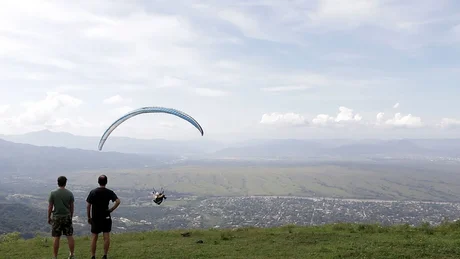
column 102, row 180
column 62, row 181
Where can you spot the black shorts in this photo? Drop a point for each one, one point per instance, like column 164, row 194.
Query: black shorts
column 103, row 225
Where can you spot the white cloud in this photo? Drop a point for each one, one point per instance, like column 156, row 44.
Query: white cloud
column 109, row 51
column 396, row 106
column 40, row 112
column 407, row 121
column 4, row 108
column 55, row 111
column 345, row 115
column 399, row 121
column 448, row 123
column 379, row 118
column 283, row 119
column 167, row 47
column 323, row 120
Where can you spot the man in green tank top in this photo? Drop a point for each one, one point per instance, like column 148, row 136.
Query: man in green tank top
column 61, row 206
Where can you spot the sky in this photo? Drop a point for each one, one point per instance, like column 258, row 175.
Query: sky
column 243, row 69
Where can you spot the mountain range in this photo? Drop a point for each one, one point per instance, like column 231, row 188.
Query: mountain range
column 136, row 151
column 294, row 148
column 26, row 158
column 114, row 143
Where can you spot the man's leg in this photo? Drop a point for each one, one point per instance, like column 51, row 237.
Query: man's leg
column 95, row 230
column 95, row 234
column 56, row 233
column 93, row 244
column 71, row 241
column 107, row 228
column 106, row 242
column 68, row 231
column 56, row 246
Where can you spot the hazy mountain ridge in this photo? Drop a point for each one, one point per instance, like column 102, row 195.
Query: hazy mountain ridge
column 255, row 148
column 114, row 143
column 17, row 157
column 318, row 148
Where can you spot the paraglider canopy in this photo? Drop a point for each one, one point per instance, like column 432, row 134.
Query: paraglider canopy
column 142, row 110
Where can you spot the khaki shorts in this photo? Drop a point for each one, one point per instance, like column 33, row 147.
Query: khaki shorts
column 62, row 226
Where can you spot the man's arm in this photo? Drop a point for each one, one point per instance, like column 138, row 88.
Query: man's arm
column 116, row 200
column 50, row 207
column 88, row 211
column 115, row 206
column 72, row 206
column 89, row 200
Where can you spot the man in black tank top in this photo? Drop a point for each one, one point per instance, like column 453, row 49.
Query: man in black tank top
column 99, row 214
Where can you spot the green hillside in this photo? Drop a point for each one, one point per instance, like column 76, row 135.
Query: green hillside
column 327, row 241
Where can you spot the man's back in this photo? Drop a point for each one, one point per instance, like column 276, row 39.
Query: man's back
column 99, row 199
column 62, row 199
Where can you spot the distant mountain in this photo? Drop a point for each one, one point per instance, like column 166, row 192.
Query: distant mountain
column 343, row 148
column 445, row 145
column 117, row 144
column 421, row 147
column 395, row 147
column 255, row 148
column 25, row 158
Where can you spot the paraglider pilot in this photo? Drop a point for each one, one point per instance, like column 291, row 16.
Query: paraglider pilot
column 158, row 197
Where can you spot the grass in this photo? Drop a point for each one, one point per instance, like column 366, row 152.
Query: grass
column 339, row 240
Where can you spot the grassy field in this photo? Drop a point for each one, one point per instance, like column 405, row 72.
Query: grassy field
column 380, row 181
column 327, row 241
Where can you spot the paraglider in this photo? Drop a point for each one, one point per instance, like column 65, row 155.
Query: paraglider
column 142, row 110
column 158, row 197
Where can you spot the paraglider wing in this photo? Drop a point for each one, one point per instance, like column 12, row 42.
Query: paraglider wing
column 148, row 110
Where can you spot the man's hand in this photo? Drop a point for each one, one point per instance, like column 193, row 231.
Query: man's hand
column 90, row 221
column 50, row 220
column 117, row 203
